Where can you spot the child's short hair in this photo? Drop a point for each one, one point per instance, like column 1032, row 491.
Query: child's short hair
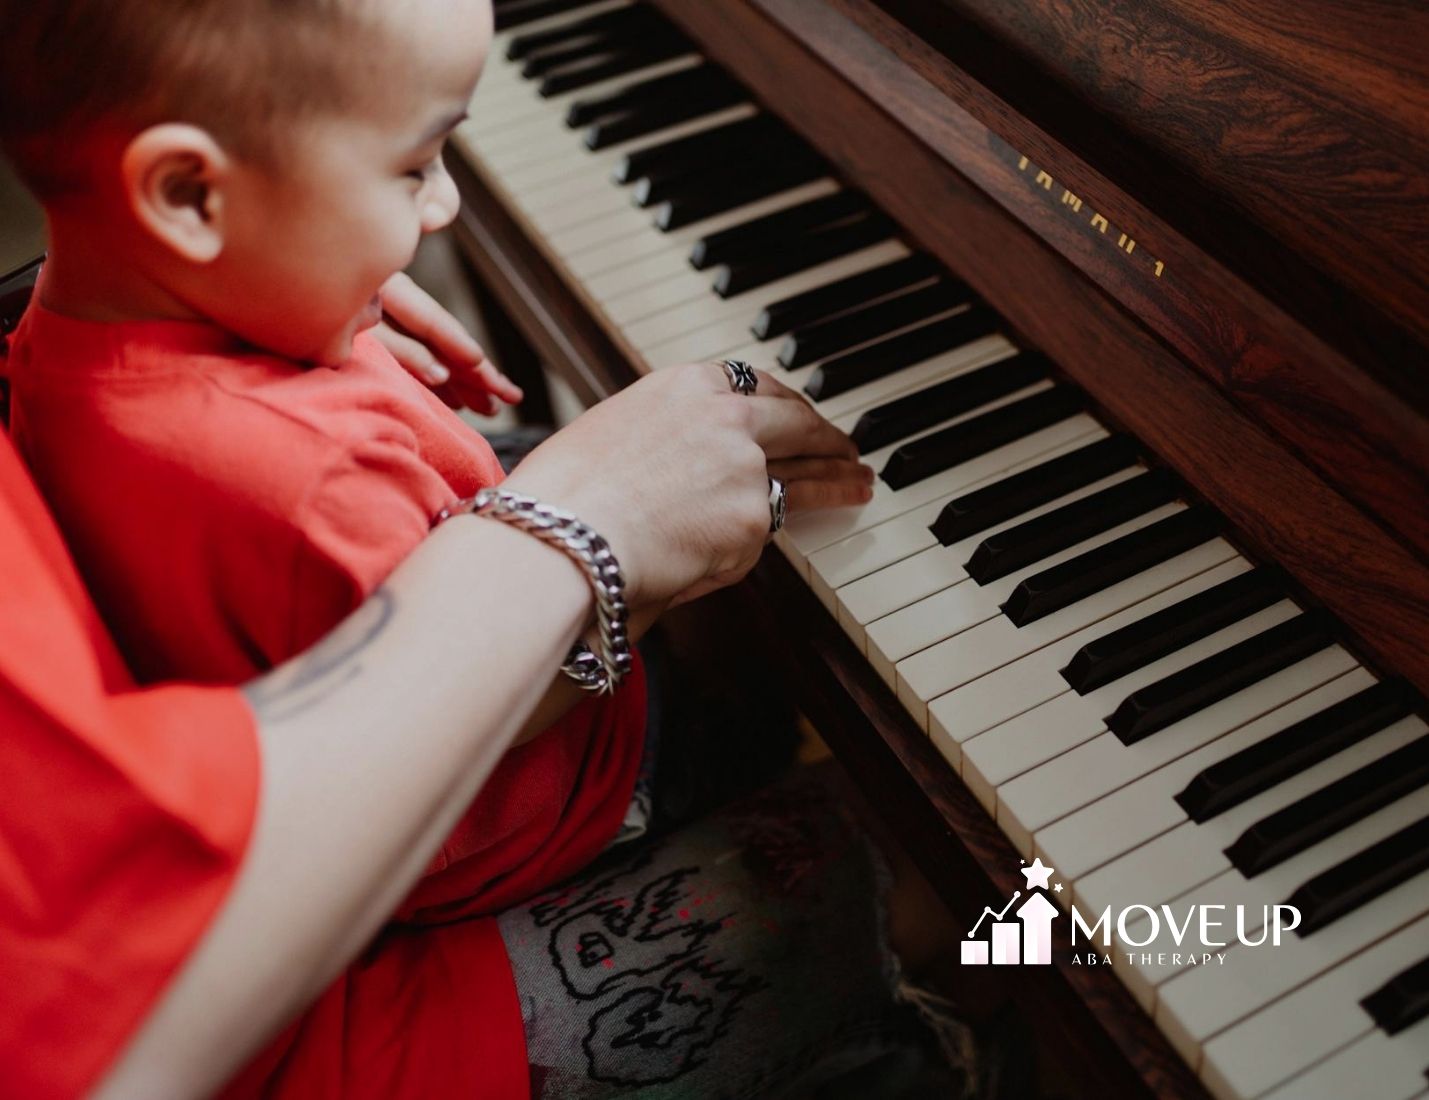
column 235, row 67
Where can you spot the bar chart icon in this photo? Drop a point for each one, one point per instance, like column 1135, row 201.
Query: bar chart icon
column 1025, row 938
column 1006, row 946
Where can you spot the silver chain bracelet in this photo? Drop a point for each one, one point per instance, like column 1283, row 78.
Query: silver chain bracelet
column 594, row 672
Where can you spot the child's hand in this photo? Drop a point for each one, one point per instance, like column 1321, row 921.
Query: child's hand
column 434, row 348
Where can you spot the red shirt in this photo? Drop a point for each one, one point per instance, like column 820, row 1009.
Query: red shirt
column 123, row 832
column 228, row 507
column 121, row 829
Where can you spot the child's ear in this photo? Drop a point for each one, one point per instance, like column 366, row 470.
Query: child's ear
column 175, row 176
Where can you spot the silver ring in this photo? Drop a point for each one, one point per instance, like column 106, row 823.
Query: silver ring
column 778, row 504
column 742, row 378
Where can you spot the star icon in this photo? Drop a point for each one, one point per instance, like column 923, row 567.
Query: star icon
column 1038, row 874
column 1057, row 887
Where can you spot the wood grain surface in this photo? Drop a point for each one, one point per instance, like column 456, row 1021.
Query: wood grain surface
column 835, row 79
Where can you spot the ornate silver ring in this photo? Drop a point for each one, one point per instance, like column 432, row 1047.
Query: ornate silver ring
column 742, row 378
column 778, row 504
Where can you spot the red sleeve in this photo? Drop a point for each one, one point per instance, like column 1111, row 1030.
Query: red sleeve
column 123, row 822
column 367, row 510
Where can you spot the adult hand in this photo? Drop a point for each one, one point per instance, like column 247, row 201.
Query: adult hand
column 434, row 347
column 674, row 470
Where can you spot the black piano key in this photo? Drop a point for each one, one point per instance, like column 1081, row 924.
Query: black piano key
column 583, row 50
column 528, row 11
column 764, row 161
column 523, row 45
column 957, row 443
column 1158, row 705
column 833, row 298
column 1023, row 544
column 750, row 272
column 617, row 63
column 1401, row 1001
column 856, row 368
column 908, row 415
column 643, row 30
column 1138, row 644
column 680, row 156
column 708, row 196
column 824, row 338
column 1258, row 767
column 775, row 231
column 657, row 116
column 1016, row 495
column 1288, row 832
column 1362, row 878
column 1096, row 570
column 646, row 93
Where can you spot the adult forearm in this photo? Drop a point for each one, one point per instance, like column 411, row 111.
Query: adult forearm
column 373, row 744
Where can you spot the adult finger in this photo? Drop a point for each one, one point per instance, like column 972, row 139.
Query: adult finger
column 789, row 429
column 823, row 482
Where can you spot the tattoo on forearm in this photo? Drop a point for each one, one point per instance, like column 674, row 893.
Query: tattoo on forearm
column 317, row 674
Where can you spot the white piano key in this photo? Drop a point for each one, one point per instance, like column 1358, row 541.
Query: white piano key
column 673, row 290
column 993, row 758
column 1187, row 854
column 741, row 309
column 505, row 83
column 866, row 552
column 831, row 525
column 715, row 326
column 592, row 192
column 599, row 164
column 1197, row 1004
column 1180, row 861
column 1294, row 1032
column 815, row 530
column 876, row 602
column 1376, row 1067
column 986, row 701
column 844, row 409
column 1184, row 883
column 521, row 134
column 554, row 217
column 507, row 119
column 1092, row 770
column 1134, row 815
column 639, row 273
column 494, row 105
column 938, row 601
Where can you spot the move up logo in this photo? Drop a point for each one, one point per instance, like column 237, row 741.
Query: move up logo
column 1020, row 933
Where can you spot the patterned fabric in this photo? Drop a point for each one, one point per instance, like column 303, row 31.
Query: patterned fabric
column 743, row 956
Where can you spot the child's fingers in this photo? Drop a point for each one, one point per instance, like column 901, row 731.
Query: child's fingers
column 415, row 312
column 462, row 392
column 497, row 383
column 414, row 356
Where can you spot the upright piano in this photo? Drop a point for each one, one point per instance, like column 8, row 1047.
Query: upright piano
column 1127, row 303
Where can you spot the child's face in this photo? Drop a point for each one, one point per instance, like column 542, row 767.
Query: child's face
column 308, row 245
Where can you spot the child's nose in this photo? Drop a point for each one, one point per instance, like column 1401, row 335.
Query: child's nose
column 439, row 206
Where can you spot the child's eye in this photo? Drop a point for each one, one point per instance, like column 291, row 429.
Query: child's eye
column 422, row 174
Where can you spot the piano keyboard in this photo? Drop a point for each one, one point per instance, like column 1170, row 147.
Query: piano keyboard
column 1130, row 697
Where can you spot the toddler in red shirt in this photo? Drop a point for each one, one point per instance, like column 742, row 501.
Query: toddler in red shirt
column 234, row 460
